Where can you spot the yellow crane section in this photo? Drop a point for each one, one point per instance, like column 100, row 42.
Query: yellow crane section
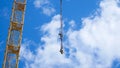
column 11, row 55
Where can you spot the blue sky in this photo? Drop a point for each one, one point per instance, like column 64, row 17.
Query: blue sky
column 91, row 33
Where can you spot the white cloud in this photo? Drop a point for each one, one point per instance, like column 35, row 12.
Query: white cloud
column 40, row 3
column 48, row 10
column 72, row 23
column 101, row 32
column 45, row 5
column 96, row 45
column 42, row 58
column 37, row 4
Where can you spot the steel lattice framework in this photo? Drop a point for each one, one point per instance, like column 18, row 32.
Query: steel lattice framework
column 11, row 56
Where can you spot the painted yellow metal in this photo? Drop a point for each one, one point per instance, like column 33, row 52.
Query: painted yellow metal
column 11, row 55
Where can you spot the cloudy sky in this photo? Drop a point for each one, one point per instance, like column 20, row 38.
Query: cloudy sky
column 91, row 34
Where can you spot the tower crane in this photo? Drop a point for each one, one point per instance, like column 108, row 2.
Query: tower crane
column 11, row 56
column 12, row 51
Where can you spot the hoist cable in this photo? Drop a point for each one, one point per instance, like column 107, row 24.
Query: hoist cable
column 61, row 28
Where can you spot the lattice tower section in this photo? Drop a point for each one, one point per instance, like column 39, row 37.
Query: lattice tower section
column 11, row 56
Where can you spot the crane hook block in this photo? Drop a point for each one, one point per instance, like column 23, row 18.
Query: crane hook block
column 61, row 51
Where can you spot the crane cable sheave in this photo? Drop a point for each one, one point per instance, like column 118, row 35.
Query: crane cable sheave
column 61, row 28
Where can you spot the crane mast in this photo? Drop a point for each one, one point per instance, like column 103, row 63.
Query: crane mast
column 11, row 56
